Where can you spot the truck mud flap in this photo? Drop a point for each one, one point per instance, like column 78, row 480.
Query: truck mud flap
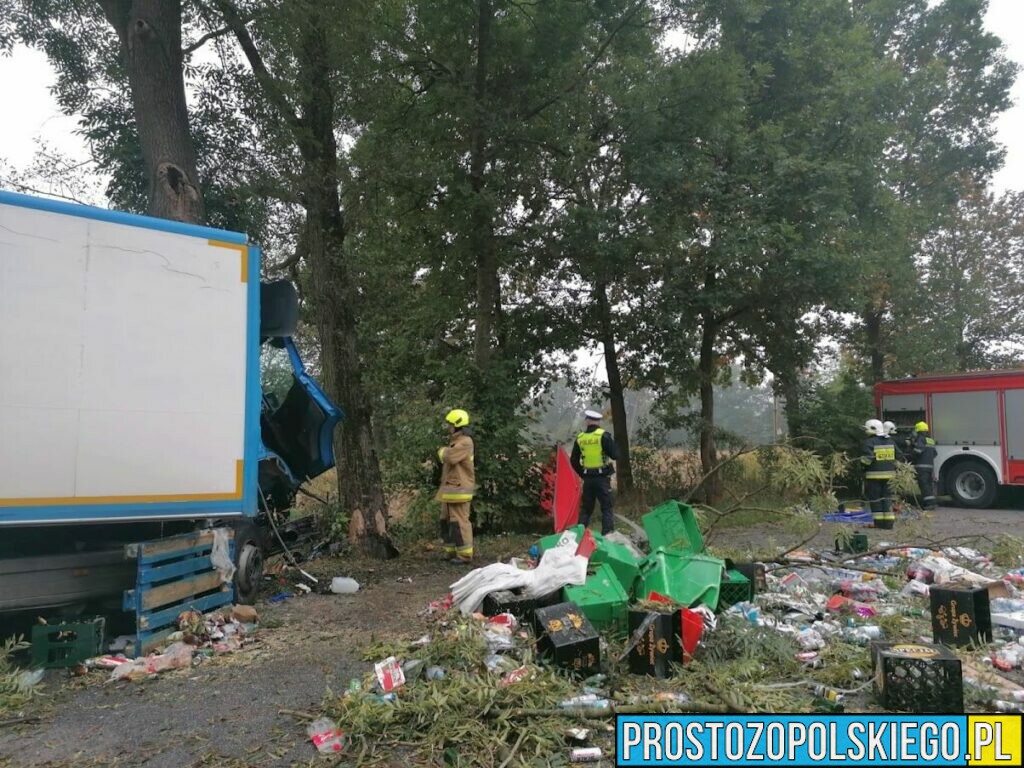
column 173, row 575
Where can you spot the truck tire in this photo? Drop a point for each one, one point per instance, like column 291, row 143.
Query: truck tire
column 248, row 562
column 972, row 483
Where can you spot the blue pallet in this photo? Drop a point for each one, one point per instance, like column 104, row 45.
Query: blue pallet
column 174, row 575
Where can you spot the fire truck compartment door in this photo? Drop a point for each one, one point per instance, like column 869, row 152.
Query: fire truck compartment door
column 965, row 418
column 896, row 403
column 1015, row 424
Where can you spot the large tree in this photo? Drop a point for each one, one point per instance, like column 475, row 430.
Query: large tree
column 298, row 103
column 964, row 315
column 954, row 81
column 756, row 239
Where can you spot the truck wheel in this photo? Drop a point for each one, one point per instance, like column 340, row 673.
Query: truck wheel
column 248, row 564
column 972, row 484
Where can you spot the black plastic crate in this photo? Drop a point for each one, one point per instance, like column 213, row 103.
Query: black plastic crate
column 658, row 646
column 855, row 544
column 507, row 601
column 736, row 588
column 567, row 638
column 918, row 677
column 960, row 614
column 68, row 644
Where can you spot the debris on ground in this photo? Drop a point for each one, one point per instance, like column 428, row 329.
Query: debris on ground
column 532, row 658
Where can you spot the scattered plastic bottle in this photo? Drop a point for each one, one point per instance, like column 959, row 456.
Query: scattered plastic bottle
column 863, row 635
column 343, row 585
column 585, row 755
column 587, row 701
column 326, row 736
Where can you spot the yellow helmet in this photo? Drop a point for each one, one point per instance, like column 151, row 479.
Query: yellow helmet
column 921, row 426
column 458, row 418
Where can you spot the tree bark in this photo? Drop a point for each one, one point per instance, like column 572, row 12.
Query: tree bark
column 706, row 371
column 150, row 36
column 789, row 388
column 481, row 220
column 620, row 425
column 872, row 320
column 360, row 488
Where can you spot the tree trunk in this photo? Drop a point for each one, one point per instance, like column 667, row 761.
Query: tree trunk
column 360, row 489
column 482, row 233
column 620, row 426
column 706, row 370
column 789, row 388
column 872, row 320
column 150, row 35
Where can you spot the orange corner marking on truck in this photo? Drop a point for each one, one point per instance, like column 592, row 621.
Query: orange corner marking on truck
column 243, row 251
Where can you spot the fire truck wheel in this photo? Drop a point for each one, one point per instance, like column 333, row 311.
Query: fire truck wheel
column 972, row 484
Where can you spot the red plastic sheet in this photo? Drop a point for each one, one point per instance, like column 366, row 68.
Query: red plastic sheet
column 566, row 497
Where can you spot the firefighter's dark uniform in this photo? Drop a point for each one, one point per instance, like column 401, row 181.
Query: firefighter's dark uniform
column 922, row 453
column 592, row 457
column 879, row 460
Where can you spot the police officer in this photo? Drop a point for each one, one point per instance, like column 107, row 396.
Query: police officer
column 879, row 460
column 922, row 453
column 592, row 457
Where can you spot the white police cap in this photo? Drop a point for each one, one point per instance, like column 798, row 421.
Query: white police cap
column 590, row 413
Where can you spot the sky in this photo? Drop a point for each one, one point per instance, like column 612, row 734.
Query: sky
column 31, row 114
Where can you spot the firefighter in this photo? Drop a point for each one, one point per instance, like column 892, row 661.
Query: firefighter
column 592, row 457
column 922, row 453
column 879, row 460
column 458, row 484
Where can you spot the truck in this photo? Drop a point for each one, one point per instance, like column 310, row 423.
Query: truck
column 977, row 422
column 132, row 400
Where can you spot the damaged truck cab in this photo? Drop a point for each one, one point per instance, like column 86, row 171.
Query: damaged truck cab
column 132, row 404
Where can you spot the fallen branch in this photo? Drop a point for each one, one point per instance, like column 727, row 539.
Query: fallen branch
column 298, row 714
column 515, row 748
column 693, row 707
column 715, row 469
column 18, row 721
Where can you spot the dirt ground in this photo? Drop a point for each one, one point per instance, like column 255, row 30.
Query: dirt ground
column 225, row 713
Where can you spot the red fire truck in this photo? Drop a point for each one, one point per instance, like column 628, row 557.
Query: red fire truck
column 977, row 420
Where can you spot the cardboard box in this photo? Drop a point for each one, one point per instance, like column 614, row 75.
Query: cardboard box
column 568, row 638
column 960, row 614
column 658, row 646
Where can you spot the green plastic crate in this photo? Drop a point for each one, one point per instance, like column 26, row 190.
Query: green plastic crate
column 736, row 588
column 623, row 563
column 602, row 599
column 673, row 525
column 687, row 579
column 65, row 645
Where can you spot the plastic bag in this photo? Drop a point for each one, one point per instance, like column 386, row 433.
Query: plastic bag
column 220, row 555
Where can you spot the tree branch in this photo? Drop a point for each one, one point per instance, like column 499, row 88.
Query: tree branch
column 190, row 49
column 271, row 87
column 594, row 61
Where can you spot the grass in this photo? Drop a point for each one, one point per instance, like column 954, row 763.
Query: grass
column 14, row 694
column 466, row 719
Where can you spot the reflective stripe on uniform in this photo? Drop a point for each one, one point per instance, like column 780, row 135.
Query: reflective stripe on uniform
column 879, row 475
column 924, row 466
column 456, row 498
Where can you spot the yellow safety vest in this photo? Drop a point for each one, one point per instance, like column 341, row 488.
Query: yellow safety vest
column 591, row 453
